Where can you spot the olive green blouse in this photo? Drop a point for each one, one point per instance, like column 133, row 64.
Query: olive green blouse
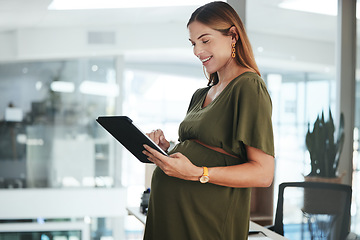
column 241, row 114
column 186, row 210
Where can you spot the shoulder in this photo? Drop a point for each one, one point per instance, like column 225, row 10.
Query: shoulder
column 249, row 80
column 251, row 86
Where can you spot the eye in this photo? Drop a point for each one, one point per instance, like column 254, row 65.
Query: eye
column 205, row 41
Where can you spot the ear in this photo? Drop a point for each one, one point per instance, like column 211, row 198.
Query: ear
column 234, row 33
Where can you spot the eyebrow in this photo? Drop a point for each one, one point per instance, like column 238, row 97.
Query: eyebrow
column 203, row 35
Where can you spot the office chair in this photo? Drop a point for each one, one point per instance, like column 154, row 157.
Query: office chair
column 313, row 210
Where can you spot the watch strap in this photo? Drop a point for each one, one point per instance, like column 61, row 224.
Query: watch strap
column 206, row 171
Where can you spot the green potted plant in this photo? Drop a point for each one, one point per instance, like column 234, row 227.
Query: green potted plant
column 324, row 149
column 325, row 153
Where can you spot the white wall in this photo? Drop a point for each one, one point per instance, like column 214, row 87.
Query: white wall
column 29, row 44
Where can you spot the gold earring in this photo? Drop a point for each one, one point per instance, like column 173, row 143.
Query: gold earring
column 233, row 50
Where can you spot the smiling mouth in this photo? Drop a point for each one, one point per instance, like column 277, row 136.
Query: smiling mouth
column 206, row 59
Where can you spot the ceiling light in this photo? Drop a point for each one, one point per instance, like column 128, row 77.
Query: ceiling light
column 326, row 7
column 99, row 89
column 61, row 86
column 111, row 4
column 94, row 68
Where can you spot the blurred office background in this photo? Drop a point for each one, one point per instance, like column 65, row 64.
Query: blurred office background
column 62, row 66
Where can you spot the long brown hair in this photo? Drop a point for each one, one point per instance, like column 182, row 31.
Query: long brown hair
column 220, row 16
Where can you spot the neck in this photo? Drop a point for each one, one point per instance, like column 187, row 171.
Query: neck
column 230, row 73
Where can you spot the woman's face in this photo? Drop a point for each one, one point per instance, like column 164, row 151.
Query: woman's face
column 210, row 46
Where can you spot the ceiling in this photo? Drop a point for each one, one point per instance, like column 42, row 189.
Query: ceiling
column 15, row 14
column 19, row 14
column 262, row 17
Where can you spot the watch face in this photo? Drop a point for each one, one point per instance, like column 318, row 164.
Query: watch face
column 204, row 179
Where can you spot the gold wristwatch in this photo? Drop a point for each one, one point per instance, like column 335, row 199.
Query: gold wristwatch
column 205, row 177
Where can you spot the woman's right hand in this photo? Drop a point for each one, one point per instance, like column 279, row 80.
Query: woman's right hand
column 159, row 138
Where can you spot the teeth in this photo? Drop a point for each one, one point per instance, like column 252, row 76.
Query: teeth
column 206, row 59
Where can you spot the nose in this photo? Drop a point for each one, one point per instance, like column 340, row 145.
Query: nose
column 198, row 51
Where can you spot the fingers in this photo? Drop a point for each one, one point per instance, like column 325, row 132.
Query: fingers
column 158, row 134
column 155, row 135
column 153, row 155
column 152, row 151
column 159, row 159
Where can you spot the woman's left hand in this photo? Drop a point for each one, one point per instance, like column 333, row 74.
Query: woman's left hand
column 175, row 165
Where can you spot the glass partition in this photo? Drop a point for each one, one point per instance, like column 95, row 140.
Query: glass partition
column 294, row 44
column 297, row 60
column 296, row 103
column 49, row 137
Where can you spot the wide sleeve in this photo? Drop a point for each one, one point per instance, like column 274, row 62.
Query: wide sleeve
column 253, row 124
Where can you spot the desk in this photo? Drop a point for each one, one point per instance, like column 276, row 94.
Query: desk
column 270, row 234
column 253, row 227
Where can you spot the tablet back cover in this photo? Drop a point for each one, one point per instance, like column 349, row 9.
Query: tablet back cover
column 122, row 128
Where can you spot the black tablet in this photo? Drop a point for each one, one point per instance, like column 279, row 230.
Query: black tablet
column 130, row 136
